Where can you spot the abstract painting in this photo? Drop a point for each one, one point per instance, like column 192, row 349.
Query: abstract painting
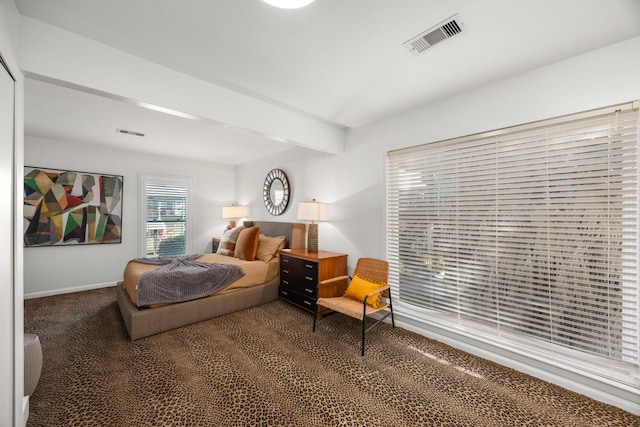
column 64, row 208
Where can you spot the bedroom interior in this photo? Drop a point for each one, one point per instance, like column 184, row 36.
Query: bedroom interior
column 318, row 93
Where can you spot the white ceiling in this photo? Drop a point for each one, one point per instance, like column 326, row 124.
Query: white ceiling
column 341, row 61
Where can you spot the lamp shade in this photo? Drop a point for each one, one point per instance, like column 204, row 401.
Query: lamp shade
column 233, row 212
column 313, row 211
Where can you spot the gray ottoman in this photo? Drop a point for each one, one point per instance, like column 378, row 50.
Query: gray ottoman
column 32, row 363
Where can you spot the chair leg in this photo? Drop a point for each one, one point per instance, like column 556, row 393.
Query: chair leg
column 315, row 316
column 393, row 323
column 364, row 322
column 364, row 331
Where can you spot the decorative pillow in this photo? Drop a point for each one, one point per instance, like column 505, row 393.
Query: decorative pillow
column 247, row 244
column 268, row 247
column 228, row 242
column 359, row 287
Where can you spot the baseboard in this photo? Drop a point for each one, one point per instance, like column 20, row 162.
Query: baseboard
column 596, row 388
column 69, row 290
column 25, row 410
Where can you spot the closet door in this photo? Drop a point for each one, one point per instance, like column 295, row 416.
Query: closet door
column 7, row 196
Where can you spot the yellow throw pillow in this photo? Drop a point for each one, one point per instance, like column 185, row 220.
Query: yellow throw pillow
column 359, row 287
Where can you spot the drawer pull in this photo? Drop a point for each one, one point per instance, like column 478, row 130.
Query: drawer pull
column 285, row 271
column 309, row 265
column 285, row 282
column 284, row 293
column 308, row 278
column 285, row 259
column 308, row 303
column 308, row 290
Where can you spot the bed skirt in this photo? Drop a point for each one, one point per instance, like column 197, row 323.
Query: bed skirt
column 143, row 323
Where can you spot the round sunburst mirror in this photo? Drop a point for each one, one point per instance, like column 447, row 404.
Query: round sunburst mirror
column 275, row 192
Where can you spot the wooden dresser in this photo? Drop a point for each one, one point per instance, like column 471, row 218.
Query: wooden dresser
column 300, row 272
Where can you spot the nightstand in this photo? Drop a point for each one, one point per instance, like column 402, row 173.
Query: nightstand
column 300, row 272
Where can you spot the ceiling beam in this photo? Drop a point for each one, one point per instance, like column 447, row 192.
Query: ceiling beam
column 58, row 56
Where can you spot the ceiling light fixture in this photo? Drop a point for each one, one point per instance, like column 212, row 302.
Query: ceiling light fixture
column 288, row 4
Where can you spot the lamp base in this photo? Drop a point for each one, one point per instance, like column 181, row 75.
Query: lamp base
column 312, row 238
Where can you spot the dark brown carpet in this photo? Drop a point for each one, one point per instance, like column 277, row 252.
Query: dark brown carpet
column 264, row 367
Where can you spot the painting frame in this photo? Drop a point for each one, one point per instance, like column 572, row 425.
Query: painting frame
column 71, row 208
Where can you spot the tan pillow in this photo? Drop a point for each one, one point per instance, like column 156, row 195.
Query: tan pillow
column 247, row 244
column 228, row 241
column 268, row 247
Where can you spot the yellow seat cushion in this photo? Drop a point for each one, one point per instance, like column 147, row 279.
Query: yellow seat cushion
column 359, row 287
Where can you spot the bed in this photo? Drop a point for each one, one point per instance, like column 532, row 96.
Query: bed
column 150, row 320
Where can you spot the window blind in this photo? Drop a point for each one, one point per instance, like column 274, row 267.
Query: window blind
column 531, row 230
column 166, row 225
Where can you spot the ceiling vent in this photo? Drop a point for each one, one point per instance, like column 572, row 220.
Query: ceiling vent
column 129, row 132
column 434, row 35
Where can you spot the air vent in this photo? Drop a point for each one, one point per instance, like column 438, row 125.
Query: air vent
column 434, row 35
column 130, row 132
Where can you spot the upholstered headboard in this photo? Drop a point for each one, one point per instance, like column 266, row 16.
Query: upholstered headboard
column 294, row 233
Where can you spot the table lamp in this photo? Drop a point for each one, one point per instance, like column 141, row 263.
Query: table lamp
column 232, row 213
column 313, row 211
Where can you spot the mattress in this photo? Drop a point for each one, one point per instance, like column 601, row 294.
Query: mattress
column 255, row 272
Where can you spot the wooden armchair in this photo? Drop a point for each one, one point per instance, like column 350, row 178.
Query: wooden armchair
column 371, row 270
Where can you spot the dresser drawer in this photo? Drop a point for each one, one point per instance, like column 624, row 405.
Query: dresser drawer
column 305, row 284
column 298, row 268
column 304, row 287
column 301, row 300
column 299, row 274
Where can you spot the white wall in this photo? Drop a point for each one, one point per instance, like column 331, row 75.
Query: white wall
column 13, row 408
column 603, row 77
column 52, row 270
column 354, row 182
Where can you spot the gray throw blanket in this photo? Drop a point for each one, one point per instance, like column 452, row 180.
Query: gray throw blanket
column 183, row 279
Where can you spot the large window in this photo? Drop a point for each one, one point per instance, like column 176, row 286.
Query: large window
column 165, row 208
column 529, row 233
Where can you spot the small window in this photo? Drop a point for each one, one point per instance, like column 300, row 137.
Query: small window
column 165, row 210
